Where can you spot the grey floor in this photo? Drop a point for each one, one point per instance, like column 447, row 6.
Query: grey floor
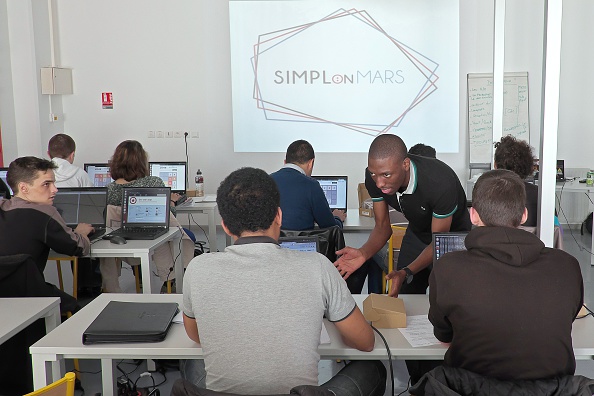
column 574, row 243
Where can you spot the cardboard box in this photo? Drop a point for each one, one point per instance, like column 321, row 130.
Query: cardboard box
column 365, row 202
column 384, row 312
column 191, row 193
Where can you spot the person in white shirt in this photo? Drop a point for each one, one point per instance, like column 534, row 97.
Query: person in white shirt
column 61, row 150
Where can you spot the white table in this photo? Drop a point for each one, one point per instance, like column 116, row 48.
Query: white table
column 576, row 187
column 210, row 209
column 144, row 250
column 18, row 313
column 65, row 342
column 356, row 223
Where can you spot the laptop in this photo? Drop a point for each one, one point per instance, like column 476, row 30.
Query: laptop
column 560, row 170
column 123, row 321
column 300, row 243
column 3, row 172
column 145, row 213
column 99, row 174
column 83, row 205
column 335, row 188
column 445, row 242
column 174, row 175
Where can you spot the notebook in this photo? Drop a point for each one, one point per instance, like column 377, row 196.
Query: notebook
column 145, row 213
column 335, row 188
column 300, row 243
column 99, row 174
column 123, row 322
column 83, row 205
column 3, row 172
column 445, row 242
column 173, row 174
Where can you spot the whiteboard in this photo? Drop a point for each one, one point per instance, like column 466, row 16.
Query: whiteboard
column 480, row 112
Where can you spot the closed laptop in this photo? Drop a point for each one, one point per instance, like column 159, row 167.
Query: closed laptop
column 123, row 322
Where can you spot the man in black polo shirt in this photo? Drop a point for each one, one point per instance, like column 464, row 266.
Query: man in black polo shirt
column 427, row 191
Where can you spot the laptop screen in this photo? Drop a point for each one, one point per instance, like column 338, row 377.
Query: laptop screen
column 173, row 174
column 3, row 172
column 99, row 174
column 82, row 205
column 146, row 206
column 335, row 188
column 445, row 242
column 301, row 244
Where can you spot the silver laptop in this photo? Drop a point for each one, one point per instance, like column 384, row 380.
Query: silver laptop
column 145, row 213
column 83, row 205
column 300, row 243
column 445, row 242
column 336, row 190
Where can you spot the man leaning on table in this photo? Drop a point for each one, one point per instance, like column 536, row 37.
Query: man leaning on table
column 506, row 304
column 257, row 309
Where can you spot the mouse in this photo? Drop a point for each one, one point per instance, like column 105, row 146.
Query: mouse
column 118, row 240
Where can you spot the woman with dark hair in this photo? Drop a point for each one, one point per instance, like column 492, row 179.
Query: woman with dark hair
column 516, row 155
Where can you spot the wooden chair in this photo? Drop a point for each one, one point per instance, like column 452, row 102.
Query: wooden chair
column 394, row 244
column 62, row 387
column 74, row 261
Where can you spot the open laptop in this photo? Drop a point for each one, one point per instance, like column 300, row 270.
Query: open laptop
column 336, row 189
column 3, row 172
column 145, row 213
column 300, row 243
column 173, row 174
column 560, row 170
column 99, row 174
column 83, row 205
column 445, row 242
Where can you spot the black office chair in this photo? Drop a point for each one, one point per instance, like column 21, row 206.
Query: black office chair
column 330, row 239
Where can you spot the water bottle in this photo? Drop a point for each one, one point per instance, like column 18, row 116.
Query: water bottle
column 199, row 180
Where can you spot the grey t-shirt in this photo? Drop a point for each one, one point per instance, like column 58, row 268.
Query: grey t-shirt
column 259, row 311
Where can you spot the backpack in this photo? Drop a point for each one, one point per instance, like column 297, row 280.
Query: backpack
column 587, row 224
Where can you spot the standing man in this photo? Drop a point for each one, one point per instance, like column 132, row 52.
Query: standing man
column 427, row 192
column 61, row 150
column 303, row 201
column 285, row 296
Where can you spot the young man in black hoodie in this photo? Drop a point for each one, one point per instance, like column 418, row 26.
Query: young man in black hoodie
column 507, row 303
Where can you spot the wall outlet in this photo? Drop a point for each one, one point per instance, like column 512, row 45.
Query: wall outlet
column 160, row 134
column 178, row 134
column 169, row 134
column 195, row 135
column 151, row 134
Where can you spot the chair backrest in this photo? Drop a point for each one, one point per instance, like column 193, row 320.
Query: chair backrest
column 557, row 235
column 330, row 239
column 62, row 387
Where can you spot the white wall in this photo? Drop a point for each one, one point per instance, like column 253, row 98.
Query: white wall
column 168, row 66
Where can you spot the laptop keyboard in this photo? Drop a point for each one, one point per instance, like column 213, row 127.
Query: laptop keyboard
column 139, row 233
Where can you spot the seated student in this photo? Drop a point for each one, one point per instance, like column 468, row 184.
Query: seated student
column 516, row 155
column 61, row 149
column 506, row 304
column 423, row 150
column 29, row 223
column 302, row 199
column 264, row 338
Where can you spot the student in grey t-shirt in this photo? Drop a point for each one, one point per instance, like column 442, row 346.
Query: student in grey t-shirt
column 257, row 309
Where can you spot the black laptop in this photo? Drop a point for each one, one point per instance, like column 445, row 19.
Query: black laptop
column 300, row 243
column 145, row 213
column 445, row 242
column 3, row 172
column 83, row 205
column 336, row 190
column 174, row 175
column 99, row 174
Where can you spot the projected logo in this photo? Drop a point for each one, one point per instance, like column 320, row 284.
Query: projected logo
column 344, row 70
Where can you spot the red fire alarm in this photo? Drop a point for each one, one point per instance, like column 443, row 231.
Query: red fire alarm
column 107, row 100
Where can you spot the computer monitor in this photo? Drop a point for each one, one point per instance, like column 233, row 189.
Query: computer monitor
column 336, row 190
column 445, row 242
column 301, row 243
column 99, row 174
column 173, row 174
column 3, row 172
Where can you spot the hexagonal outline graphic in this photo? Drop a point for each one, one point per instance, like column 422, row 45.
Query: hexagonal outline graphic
column 275, row 38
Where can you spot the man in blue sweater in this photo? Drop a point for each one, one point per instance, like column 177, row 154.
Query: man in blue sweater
column 303, row 202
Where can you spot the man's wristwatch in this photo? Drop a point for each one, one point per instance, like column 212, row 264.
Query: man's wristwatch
column 409, row 275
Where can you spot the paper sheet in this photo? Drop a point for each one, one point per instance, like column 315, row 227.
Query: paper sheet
column 419, row 331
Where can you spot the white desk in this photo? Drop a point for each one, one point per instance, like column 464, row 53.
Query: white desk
column 208, row 208
column 356, row 223
column 144, row 250
column 577, row 187
column 65, row 342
